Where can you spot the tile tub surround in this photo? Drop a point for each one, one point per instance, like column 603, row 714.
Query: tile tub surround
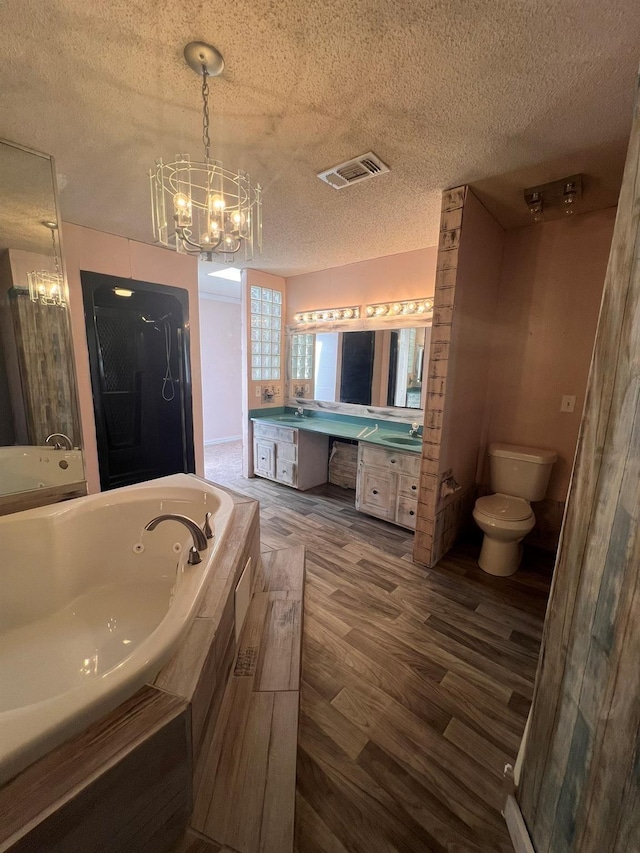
column 126, row 782
column 92, row 606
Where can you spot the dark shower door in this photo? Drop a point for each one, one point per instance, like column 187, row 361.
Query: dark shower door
column 140, row 376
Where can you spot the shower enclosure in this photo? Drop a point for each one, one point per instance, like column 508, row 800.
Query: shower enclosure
column 138, row 340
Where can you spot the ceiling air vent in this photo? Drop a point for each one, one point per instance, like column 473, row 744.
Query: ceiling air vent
column 359, row 169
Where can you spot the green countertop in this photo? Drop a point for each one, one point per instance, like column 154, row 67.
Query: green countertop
column 393, row 436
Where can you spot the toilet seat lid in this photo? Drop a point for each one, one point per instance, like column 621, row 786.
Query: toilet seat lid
column 505, row 507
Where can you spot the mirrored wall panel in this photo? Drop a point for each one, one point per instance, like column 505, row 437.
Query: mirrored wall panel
column 382, row 367
column 39, row 424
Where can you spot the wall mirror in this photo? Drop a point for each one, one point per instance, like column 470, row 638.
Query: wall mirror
column 376, row 369
column 37, row 377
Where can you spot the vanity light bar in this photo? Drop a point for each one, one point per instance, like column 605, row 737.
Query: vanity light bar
column 326, row 314
column 408, row 306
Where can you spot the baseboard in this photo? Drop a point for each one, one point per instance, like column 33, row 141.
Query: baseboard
column 517, row 827
column 222, row 440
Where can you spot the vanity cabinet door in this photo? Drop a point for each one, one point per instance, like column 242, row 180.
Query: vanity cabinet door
column 264, row 457
column 375, row 492
column 406, row 511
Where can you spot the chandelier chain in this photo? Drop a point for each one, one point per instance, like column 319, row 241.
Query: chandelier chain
column 205, row 113
column 55, row 250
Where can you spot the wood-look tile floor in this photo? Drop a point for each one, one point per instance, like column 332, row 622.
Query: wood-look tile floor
column 416, row 682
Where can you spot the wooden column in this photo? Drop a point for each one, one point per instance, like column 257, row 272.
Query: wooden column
column 467, row 282
column 580, row 783
column 428, row 539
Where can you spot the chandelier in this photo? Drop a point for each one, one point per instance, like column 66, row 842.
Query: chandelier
column 201, row 208
column 45, row 286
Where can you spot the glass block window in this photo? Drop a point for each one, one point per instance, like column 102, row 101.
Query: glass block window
column 266, row 333
column 302, row 356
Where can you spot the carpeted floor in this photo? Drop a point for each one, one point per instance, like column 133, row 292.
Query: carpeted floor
column 223, row 462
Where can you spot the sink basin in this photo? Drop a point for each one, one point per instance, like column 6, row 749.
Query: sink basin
column 288, row 419
column 402, row 440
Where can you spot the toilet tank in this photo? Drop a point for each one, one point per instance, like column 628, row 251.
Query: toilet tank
column 522, row 472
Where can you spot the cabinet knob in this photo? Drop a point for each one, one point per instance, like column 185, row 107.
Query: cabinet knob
column 375, row 491
column 414, row 488
column 411, row 512
column 393, row 461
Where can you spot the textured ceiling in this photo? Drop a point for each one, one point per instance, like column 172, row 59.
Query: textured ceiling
column 443, row 92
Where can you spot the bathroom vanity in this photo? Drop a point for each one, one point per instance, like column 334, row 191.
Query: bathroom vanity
column 291, row 456
column 294, row 451
column 387, row 484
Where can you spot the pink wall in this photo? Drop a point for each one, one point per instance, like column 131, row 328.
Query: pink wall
column 221, row 353
column 95, row 251
column 551, row 285
column 405, row 276
column 468, row 377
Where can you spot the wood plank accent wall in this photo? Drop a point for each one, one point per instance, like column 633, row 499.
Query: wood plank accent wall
column 45, row 360
column 580, row 783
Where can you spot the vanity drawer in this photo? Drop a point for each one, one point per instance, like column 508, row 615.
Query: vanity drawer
column 407, row 463
column 287, row 452
column 265, row 431
column 408, row 485
column 406, row 512
column 286, row 472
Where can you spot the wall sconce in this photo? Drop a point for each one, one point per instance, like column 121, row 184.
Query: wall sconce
column 556, row 197
column 570, row 195
column 536, row 207
column 404, row 308
column 328, row 314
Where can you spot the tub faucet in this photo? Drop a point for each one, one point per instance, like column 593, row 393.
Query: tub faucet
column 199, row 538
column 59, row 441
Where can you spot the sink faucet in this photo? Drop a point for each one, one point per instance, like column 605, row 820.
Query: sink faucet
column 415, row 429
column 59, row 441
column 199, row 538
column 300, row 412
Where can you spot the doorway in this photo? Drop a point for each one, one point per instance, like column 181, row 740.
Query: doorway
column 138, row 340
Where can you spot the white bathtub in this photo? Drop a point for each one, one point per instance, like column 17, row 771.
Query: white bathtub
column 24, row 468
column 86, row 617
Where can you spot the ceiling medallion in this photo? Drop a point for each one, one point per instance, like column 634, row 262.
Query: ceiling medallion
column 199, row 207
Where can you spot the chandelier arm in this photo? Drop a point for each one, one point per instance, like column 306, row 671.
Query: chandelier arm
column 187, row 241
column 231, row 251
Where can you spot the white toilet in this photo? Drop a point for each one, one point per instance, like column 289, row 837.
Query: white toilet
column 518, row 475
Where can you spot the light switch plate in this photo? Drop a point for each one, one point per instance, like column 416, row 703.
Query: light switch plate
column 568, row 403
column 258, row 391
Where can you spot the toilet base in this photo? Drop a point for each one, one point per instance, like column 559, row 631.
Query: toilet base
column 499, row 558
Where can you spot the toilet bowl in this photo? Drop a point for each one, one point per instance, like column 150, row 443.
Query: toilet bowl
column 505, row 521
column 519, row 475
